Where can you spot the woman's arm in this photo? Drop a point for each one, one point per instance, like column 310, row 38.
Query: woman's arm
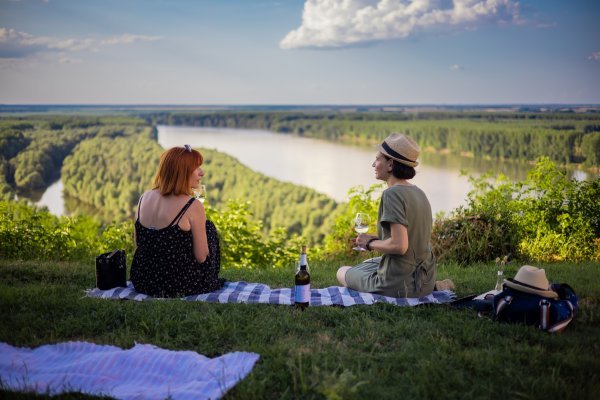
column 136, row 217
column 397, row 243
column 198, row 223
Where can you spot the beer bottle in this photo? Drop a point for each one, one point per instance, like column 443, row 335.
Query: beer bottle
column 302, row 280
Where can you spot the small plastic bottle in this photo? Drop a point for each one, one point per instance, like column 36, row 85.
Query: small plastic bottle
column 500, row 277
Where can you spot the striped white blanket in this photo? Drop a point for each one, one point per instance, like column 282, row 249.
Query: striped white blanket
column 142, row 372
column 252, row 293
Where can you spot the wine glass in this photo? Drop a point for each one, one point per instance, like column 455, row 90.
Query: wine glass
column 200, row 193
column 361, row 225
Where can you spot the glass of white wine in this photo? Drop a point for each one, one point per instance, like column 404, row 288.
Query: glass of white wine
column 361, row 225
column 200, row 193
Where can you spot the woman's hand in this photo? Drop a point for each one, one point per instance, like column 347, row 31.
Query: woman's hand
column 362, row 240
column 397, row 243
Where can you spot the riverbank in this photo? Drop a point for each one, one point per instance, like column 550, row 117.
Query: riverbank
column 564, row 137
column 378, row 351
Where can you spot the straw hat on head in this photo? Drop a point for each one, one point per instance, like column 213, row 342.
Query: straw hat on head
column 531, row 280
column 400, row 148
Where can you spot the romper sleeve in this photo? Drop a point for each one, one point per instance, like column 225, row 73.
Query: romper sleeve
column 393, row 207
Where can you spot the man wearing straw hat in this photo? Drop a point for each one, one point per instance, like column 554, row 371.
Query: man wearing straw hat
column 407, row 266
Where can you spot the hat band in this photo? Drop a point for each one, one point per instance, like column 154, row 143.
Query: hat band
column 392, row 153
column 526, row 285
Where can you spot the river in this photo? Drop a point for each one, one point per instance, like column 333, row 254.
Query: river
column 330, row 168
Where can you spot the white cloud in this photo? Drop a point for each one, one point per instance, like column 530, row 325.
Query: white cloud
column 72, row 44
column 15, row 44
column 340, row 23
column 64, row 59
column 129, row 39
column 456, row 67
column 595, row 56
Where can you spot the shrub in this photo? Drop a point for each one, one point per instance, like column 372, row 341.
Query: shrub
column 243, row 245
column 547, row 217
column 559, row 218
column 31, row 233
column 466, row 238
column 360, row 200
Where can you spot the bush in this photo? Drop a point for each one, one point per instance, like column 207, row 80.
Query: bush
column 547, row 217
column 360, row 200
column 243, row 245
column 30, row 233
column 467, row 238
column 482, row 230
column 559, row 217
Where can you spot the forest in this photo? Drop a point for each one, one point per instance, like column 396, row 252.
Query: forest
column 111, row 174
column 32, row 149
column 107, row 162
column 567, row 138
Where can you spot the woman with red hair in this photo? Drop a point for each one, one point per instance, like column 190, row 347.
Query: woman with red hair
column 177, row 250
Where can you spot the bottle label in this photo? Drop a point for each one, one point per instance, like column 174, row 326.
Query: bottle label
column 302, row 294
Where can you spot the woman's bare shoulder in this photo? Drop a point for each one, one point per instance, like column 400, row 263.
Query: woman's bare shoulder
column 196, row 206
column 152, row 193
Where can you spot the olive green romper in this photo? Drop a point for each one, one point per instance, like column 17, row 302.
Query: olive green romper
column 409, row 275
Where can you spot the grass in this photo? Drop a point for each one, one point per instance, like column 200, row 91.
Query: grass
column 377, row 352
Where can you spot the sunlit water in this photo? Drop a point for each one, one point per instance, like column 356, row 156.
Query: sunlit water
column 330, row 168
column 53, row 198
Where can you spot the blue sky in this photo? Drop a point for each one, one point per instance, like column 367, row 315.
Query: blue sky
column 299, row 51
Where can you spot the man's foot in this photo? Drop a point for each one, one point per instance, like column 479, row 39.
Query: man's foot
column 446, row 284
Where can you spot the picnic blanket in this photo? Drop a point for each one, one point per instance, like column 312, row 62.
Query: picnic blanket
column 254, row 293
column 142, row 372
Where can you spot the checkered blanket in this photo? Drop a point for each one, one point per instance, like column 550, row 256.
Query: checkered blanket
column 253, row 293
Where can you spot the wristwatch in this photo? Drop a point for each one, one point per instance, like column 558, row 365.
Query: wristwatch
column 368, row 245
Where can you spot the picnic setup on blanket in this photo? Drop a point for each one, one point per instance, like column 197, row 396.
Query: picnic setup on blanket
column 258, row 293
column 528, row 298
column 142, row 372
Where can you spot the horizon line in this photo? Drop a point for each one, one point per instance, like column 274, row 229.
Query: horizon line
column 507, row 104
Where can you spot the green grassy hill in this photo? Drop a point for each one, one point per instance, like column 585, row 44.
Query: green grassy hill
column 379, row 351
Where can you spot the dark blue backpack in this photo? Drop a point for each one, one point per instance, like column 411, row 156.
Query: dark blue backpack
column 550, row 315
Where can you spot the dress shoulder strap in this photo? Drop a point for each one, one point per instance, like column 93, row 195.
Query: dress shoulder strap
column 139, row 204
column 183, row 210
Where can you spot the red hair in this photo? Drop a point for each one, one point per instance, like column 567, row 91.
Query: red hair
column 176, row 167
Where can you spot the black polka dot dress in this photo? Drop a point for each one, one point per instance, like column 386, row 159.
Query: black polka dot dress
column 164, row 264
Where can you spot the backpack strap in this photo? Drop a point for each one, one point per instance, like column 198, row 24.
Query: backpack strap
column 544, row 314
column 501, row 304
column 560, row 326
column 182, row 211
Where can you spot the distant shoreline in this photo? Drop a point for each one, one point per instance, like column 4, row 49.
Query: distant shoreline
column 341, row 108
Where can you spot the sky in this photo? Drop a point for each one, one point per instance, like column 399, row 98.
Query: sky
column 305, row 52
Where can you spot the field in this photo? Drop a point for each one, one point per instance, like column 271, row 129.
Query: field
column 378, row 352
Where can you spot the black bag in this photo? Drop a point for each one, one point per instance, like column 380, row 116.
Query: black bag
column 111, row 270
